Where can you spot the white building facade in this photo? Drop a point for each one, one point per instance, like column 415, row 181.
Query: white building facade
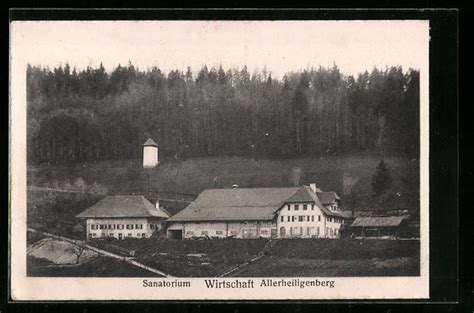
column 306, row 220
column 123, row 217
column 150, row 154
column 121, row 228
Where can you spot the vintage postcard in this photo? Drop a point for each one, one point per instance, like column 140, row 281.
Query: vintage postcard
column 219, row 160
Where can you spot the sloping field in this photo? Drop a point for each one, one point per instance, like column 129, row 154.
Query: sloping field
column 288, row 257
column 193, row 175
column 191, row 258
column 297, row 267
column 337, row 258
column 345, row 249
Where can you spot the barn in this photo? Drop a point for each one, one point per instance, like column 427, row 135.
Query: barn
column 378, row 226
column 123, row 216
column 293, row 212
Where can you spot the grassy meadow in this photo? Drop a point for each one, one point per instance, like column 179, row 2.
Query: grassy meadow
column 339, row 173
column 287, row 258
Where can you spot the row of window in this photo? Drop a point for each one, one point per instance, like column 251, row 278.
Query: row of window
column 220, row 232
column 298, row 231
column 334, row 219
column 304, row 207
column 121, row 226
column 308, row 231
column 332, row 232
column 300, row 218
column 120, row 235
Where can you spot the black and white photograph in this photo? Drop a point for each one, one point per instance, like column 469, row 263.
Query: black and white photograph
column 220, row 159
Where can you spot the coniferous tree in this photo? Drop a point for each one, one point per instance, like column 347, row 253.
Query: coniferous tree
column 382, row 179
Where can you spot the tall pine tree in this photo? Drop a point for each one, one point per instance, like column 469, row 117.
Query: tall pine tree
column 382, row 179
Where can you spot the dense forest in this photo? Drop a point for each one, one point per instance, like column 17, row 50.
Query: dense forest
column 91, row 114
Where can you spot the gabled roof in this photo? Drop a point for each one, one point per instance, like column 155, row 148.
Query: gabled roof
column 384, row 221
column 245, row 204
column 301, row 195
column 123, row 206
column 318, row 202
column 327, row 197
column 238, row 204
column 150, row 142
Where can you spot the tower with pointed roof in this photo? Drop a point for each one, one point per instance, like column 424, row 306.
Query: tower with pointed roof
column 150, row 154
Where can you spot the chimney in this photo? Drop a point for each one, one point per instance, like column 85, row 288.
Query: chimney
column 157, row 204
column 313, row 187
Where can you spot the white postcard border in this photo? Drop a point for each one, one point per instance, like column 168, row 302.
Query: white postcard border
column 36, row 288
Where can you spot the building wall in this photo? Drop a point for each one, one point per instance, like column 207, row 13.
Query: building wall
column 333, row 227
column 113, row 227
column 305, row 220
column 150, row 156
column 225, row 229
column 290, row 223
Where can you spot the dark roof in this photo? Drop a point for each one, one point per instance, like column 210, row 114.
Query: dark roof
column 317, row 201
column 150, row 142
column 327, row 197
column 235, row 204
column 245, row 204
column 123, row 206
column 301, row 195
column 383, row 221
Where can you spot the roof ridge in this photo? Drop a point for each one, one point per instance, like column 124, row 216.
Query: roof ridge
column 250, row 188
column 241, row 206
column 110, row 196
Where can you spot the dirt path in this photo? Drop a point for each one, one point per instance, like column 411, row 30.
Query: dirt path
column 103, row 252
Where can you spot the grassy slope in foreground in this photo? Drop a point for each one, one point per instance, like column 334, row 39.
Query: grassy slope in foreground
column 289, row 257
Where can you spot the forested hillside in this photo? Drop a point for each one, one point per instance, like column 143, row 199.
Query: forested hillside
column 89, row 115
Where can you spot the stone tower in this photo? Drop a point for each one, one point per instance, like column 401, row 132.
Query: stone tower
column 150, row 154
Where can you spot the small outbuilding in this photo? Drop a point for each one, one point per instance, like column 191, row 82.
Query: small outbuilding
column 150, row 154
column 378, row 226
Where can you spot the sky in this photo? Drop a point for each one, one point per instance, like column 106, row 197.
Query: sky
column 280, row 46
